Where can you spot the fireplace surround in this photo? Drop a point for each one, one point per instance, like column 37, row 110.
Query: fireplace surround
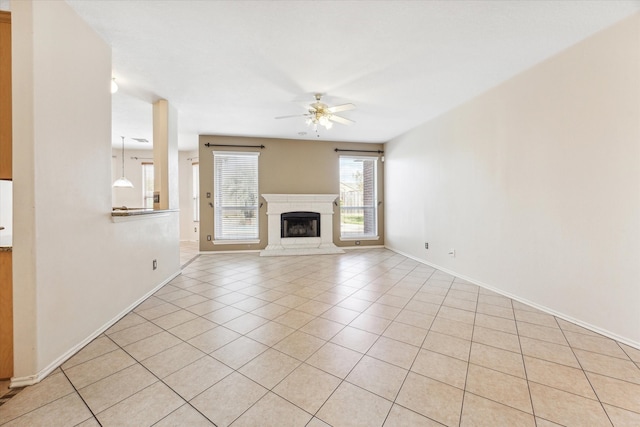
column 302, row 206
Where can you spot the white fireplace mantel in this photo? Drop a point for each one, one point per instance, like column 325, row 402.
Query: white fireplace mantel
column 277, row 204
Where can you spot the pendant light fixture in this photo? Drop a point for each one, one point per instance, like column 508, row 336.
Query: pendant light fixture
column 123, row 182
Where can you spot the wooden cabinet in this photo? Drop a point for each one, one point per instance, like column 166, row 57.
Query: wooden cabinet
column 5, row 95
column 6, row 315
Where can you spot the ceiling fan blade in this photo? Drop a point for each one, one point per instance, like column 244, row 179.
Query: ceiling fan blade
column 342, row 107
column 341, row 120
column 294, row 115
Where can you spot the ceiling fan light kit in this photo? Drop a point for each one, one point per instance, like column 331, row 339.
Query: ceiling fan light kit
column 321, row 114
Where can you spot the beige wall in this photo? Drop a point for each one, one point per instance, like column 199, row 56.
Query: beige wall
column 536, row 184
column 286, row 166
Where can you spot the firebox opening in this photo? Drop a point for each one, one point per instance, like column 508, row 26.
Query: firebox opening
column 300, row 224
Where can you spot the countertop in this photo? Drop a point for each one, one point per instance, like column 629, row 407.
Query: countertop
column 124, row 215
column 140, row 211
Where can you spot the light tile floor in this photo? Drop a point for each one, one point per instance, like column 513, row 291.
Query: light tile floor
column 366, row 338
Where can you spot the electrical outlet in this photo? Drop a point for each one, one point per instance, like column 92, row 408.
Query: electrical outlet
column 426, row 245
column 195, row 229
column 208, row 237
column 357, row 242
column 155, row 264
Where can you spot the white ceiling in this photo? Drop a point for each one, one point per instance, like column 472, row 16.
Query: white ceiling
column 230, row 67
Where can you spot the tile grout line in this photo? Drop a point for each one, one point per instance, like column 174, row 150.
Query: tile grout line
column 466, row 377
column 584, row 372
column 272, row 348
column 159, row 380
column 524, row 366
column 81, row 398
column 206, row 354
column 138, row 362
column 301, row 363
column 342, row 380
column 419, row 348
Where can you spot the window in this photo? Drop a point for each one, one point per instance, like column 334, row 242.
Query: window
column 358, row 197
column 195, row 179
column 235, row 183
column 147, row 185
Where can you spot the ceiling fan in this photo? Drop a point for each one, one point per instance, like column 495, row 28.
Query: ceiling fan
column 320, row 113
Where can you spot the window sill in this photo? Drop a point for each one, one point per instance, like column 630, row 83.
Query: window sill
column 236, row 242
column 353, row 239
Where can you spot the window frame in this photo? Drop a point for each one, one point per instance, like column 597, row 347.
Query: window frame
column 372, row 207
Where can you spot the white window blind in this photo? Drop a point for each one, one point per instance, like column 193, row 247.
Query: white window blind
column 147, row 185
column 358, row 197
column 235, row 177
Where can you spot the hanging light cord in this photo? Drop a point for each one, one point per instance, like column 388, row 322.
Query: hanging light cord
column 122, row 156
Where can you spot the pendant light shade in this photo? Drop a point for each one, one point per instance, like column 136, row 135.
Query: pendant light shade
column 123, row 182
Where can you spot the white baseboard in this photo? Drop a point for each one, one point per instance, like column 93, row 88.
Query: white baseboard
column 33, row 379
column 548, row 310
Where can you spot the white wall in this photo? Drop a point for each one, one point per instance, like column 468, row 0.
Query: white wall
column 536, row 184
column 75, row 270
column 188, row 228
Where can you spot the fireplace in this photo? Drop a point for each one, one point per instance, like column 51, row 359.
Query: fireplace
column 300, row 224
